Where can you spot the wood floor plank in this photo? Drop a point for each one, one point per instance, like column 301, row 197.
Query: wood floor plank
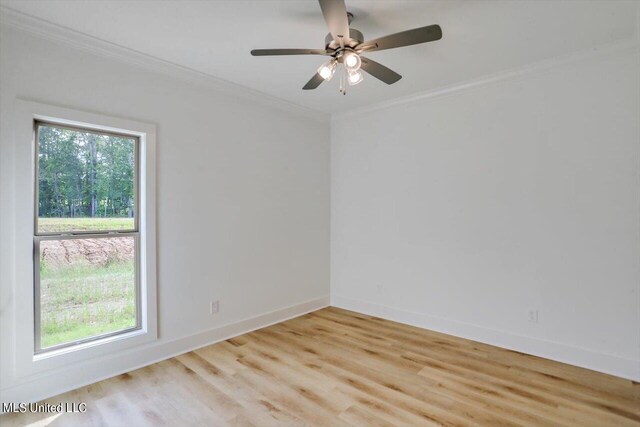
column 410, row 335
column 334, row 367
column 361, row 374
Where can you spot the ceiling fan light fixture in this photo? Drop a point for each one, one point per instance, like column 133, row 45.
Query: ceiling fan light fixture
column 344, row 45
column 351, row 61
column 327, row 70
column 355, row 77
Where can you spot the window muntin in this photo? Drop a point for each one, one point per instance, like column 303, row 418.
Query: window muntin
column 86, row 239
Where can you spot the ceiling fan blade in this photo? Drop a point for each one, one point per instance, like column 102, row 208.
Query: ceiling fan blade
column 270, row 52
column 335, row 14
column 404, row 38
column 314, row 82
column 379, row 71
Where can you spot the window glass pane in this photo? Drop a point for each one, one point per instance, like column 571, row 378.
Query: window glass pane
column 87, row 288
column 85, row 180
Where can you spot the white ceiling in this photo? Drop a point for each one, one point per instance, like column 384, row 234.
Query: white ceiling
column 480, row 37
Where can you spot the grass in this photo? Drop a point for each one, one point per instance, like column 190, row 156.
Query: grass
column 80, row 300
column 49, row 225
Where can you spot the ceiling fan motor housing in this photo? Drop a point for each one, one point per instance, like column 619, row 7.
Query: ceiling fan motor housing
column 355, row 38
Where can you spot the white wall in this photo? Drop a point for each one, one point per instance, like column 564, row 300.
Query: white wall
column 242, row 195
column 461, row 212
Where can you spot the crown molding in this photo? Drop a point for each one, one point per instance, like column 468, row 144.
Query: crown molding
column 94, row 45
column 87, row 43
column 622, row 47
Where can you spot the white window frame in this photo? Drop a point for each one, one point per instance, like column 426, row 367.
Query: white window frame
column 26, row 361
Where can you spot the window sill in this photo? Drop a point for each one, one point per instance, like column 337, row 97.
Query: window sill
column 102, row 348
column 87, row 345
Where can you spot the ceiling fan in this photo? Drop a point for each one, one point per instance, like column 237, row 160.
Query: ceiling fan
column 345, row 46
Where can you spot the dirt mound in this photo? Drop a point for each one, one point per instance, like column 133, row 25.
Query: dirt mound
column 101, row 251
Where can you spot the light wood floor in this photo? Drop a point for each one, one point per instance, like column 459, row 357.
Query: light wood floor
column 334, row 367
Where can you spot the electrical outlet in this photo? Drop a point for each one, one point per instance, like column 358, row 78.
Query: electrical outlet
column 533, row 316
column 380, row 287
column 214, row 306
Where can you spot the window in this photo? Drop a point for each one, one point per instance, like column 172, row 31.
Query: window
column 84, row 261
column 86, row 235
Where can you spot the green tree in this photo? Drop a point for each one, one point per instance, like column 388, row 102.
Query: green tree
column 84, row 174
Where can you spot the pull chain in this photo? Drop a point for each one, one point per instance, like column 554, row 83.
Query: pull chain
column 343, row 77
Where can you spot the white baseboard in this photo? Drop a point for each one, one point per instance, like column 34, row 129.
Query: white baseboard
column 609, row 364
column 91, row 371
